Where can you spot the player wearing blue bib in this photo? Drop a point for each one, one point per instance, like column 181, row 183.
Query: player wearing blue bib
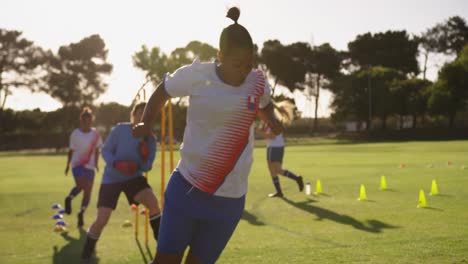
column 205, row 196
column 127, row 158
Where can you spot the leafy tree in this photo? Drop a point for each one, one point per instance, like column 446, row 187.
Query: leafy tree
column 448, row 37
column 381, row 82
column 410, row 98
column 391, row 49
column 351, row 98
column 77, row 71
column 194, row 50
column 63, row 120
column 451, row 36
column 109, row 114
column 429, row 44
column 8, row 120
column 153, row 62
column 325, row 63
column 202, row 51
column 354, row 99
column 450, row 93
column 285, row 64
column 21, row 64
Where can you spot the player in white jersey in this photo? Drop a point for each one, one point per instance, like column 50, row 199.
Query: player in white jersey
column 205, row 196
column 275, row 151
column 83, row 155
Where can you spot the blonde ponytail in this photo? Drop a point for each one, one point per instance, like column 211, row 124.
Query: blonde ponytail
column 284, row 111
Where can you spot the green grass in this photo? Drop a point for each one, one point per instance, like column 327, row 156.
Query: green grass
column 329, row 228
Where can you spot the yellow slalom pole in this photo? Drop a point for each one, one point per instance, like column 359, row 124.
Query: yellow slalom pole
column 146, row 225
column 147, row 178
column 136, row 222
column 146, row 217
column 163, row 149
column 171, row 138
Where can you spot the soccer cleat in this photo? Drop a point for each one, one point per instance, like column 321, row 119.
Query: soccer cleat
column 300, row 183
column 68, row 208
column 276, row 194
column 80, row 219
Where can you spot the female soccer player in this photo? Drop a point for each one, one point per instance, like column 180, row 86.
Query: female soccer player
column 275, row 149
column 127, row 158
column 83, row 155
column 205, row 196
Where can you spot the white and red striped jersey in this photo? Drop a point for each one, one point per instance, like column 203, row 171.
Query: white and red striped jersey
column 84, row 146
column 216, row 154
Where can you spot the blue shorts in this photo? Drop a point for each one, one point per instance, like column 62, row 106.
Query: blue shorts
column 197, row 219
column 82, row 171
column 275, row 154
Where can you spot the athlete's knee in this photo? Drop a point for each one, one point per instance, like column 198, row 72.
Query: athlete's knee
column 99, row 225
column 153, row 210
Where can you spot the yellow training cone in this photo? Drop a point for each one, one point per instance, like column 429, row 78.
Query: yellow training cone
column 422, row 199
column 318, row 187
column 383, row 183
column 434, row 189
column 362, row 193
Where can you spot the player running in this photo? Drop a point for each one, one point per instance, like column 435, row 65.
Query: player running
column 275, row 149
column 205, row 196
column 83, row 155
column 127, row 158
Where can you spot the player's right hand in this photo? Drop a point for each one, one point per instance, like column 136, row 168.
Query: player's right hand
column 127, row 167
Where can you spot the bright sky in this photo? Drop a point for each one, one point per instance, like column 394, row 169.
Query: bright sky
column 126, row 25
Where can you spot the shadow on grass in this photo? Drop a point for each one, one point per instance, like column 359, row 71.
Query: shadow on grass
column 251, row 218
column 322, row 194
column 148, row 251
column 142, row 252
column 441, row 195
column 431, row 208
column 71, row 252
column 389, row 190
column 372, row 226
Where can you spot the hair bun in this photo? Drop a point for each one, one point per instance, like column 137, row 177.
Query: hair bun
column 233, row 13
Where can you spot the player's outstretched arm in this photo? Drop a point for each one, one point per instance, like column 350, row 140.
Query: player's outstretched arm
column 268, row 116
column 157, row 100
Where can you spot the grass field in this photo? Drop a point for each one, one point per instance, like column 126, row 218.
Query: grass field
column 331, row 228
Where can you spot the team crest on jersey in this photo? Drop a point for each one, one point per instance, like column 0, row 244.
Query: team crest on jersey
column 252, row 103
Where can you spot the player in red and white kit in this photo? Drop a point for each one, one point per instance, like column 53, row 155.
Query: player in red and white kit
column 83, row 156
column 205, row 196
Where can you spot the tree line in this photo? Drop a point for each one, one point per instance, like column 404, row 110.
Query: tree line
column 378, row 77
